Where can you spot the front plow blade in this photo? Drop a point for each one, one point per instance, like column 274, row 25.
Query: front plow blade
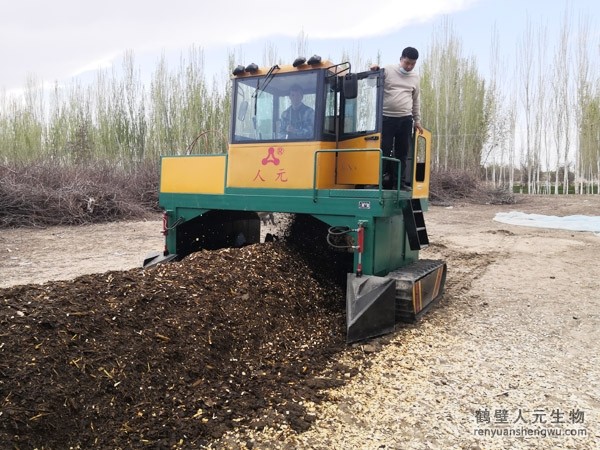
column 157, row 258
column 370, row 306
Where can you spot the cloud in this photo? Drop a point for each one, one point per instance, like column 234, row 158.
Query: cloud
column 101, row 63
column 54, row 40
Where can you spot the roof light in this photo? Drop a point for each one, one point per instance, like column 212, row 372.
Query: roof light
column 299, row 61
column 251, row 68
column 314, row 59
column 238, row 70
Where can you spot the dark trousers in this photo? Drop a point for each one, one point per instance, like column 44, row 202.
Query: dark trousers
column 396, row 137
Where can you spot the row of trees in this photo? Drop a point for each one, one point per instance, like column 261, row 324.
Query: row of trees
column 116, row 118
column 534, row 125
column 455, row 106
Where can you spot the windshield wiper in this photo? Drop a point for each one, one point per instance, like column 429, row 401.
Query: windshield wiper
column 268, row 77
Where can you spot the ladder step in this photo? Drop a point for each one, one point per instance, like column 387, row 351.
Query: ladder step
column 415, row 225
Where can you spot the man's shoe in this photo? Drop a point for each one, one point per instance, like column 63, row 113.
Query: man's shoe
column 405, row 187
column 371, row 186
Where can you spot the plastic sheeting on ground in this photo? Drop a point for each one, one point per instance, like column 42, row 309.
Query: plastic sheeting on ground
column 573, row 223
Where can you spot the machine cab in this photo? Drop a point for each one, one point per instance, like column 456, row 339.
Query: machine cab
column 312, row 103
column 287, row 123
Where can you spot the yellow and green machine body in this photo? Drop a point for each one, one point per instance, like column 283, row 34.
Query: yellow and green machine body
column 333, row 173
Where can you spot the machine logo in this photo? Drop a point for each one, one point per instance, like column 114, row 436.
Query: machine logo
column 362, row 204
column 264, row 174
column 271, row 158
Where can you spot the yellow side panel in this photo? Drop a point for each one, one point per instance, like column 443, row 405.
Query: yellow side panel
column 281, row 166
column 326, row 171
column 203, row 174
column 359, row 167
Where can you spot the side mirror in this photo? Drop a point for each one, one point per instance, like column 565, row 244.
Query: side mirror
column 242, row 110
column 350, row 85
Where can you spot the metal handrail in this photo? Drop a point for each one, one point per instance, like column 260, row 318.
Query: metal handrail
column 353, row 150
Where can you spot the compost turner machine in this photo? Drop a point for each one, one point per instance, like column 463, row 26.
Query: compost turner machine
column 330, row 166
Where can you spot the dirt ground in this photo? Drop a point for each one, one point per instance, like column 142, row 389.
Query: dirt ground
column 508, row 359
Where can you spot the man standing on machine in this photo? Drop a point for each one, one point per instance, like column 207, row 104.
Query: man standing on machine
column 401, row 113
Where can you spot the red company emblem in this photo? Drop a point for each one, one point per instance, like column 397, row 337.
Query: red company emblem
column 271, row 158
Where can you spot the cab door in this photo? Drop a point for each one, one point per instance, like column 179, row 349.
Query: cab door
column 360, row 132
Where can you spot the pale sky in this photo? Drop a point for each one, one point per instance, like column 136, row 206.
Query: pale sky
column 56, row 40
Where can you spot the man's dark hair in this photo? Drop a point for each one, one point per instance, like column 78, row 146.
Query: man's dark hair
column 410, row 53
column 296, row 88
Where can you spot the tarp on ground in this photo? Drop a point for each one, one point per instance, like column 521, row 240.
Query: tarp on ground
column 573, row 223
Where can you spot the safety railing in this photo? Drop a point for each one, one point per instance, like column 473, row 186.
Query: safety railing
column 356, row 150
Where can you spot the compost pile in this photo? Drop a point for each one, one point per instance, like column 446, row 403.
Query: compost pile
column 172, row 356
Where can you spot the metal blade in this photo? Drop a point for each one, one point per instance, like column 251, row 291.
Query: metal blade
column 157, row 258
column 370, row 306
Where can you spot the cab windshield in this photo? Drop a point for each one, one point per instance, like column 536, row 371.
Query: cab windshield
column 274, row 109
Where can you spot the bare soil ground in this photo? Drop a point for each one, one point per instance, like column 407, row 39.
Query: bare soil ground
column 217, row 352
